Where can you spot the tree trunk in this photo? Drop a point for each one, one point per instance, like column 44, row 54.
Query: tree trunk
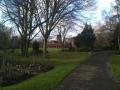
column 24, row 46
column 45, row 48
column 118, row 43
column 63, row 45
column 118, row 36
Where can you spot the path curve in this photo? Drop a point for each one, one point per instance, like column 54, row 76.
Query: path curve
column 91, row 75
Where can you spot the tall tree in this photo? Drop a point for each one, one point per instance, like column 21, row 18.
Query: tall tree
column 104, row 38
column 64, row 27
column 5, row 36
column 86, row 38
column 53, row 11
column 22, row 14
column 117, row 30
column 111, row 27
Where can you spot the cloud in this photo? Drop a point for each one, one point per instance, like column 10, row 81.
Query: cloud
column 104, row 4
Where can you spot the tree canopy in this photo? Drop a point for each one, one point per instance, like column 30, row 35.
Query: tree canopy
column 86, row 38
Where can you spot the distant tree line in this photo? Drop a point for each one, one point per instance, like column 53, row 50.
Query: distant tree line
column 112, row 27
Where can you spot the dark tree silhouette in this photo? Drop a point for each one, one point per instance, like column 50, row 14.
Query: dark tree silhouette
column 86, row 38
column 5, row 36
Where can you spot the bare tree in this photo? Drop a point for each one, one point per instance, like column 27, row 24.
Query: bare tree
column 112, row 26
column 117, row 31
column 113, row 23
column 53, row 11
column 107, row 16
column 103, row 38
column 63, row 28
column 27, row 15
column 22, row 14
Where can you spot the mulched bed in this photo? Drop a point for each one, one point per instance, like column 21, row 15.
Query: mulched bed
column 12, row 72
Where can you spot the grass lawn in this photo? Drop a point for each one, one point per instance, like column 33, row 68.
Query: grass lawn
column 64, row 63
column 115, row 65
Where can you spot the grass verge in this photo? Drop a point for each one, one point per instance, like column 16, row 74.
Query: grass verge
column 64, row 63
column 115, row 66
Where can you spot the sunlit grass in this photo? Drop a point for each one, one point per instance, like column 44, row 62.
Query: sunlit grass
column 64, row 63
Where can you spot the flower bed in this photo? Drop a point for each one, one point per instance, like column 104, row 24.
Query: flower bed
column 12, row 72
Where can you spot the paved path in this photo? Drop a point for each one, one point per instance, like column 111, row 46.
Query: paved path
column 91, row 75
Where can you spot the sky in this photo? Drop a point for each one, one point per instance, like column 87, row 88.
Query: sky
column 102, row 5
column 95, row 17
column 96, row 14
